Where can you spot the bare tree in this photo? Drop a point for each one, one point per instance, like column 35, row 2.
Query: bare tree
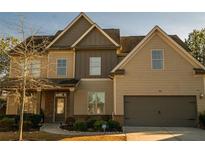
column 24, row 58
column 6, row 43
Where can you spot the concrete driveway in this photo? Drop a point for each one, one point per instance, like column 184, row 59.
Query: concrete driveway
column 164, row 134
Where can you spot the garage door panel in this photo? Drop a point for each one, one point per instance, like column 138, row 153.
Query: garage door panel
column 160, row 110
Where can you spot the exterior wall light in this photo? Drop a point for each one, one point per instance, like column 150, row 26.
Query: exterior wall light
column 201, row 96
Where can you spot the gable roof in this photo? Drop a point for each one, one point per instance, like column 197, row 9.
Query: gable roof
column 35, row 42
column 114, row 34
column 173, row 40
column 129, row 42
column 38, row 39
column 69, row 26
column 101, row 30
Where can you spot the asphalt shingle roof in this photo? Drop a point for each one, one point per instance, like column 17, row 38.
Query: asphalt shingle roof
column 129, row 42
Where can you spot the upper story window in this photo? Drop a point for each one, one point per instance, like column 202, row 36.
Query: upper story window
column 95, row 65
column 61, row 67
column 157, row 59
column 36, row 68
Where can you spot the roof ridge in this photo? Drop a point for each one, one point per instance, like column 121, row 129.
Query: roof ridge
column 134, row 36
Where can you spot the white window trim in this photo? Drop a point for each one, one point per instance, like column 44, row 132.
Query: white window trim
column 61, row 76
column 54, row 106
column 100, row 66
column 162, row 60
column 88, row 102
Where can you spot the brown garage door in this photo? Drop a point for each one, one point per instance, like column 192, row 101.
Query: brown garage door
column 176, row 111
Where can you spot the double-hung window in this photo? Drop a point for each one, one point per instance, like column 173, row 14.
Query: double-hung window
column 95, row 66
column 35, row 68
column 61, row 67
column 157, row 59
column 96, row 102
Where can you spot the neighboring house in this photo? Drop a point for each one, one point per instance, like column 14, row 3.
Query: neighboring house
column 147, row 80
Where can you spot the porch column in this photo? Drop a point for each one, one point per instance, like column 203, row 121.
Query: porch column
column 71, row 102
column 66, row 105
column 38, row 105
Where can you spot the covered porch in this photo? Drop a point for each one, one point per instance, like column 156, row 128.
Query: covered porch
column 55, row 102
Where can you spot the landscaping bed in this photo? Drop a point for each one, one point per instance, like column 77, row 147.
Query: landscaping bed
column 32, row 122
column 202, row 120
column 92, row 125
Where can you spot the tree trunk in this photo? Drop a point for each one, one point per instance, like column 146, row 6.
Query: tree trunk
column 22, row 111
column 23, row 101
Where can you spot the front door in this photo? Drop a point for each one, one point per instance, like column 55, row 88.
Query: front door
column 60, row 109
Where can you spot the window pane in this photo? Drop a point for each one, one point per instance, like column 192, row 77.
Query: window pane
column 35, row 68
column 95, row 71
column 96, row 102
column 61, row 71
column 61, row 67
column 95, row 65
column 95, row 59
column 157, row 59
column 60, row 105
column 157, row 54
column 60, row 94
column 157, row 64
column 62, row 63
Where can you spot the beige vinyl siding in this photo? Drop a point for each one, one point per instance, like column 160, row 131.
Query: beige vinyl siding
column 15, row 69
column 31, row 104
column 81, row 95
column 48, row 64
column 12, row 105
column 177, row 77
column 52, row 61
column 44, row 66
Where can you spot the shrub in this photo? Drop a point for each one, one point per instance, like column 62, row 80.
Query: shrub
column 98, row 125
column 35, row 119
column 7, row 122
column 114, row 125
column 2, row 107
column 11, row 122
column 90, row 122
column 202, row 119
column 70, row 121
column 7, row 116
column 80, row 126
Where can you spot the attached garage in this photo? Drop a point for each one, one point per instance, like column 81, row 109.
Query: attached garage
column 159, row 111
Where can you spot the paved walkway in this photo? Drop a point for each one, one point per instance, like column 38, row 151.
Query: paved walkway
column 164, row 134
column 54, row 128
column 139, row 133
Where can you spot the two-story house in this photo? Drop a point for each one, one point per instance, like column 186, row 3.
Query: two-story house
column 147, row 80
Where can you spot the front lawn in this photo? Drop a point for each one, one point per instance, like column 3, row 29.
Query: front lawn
column 42, row 136
column 30, row 136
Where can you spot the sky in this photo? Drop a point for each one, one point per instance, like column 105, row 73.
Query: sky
column 129, row 23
